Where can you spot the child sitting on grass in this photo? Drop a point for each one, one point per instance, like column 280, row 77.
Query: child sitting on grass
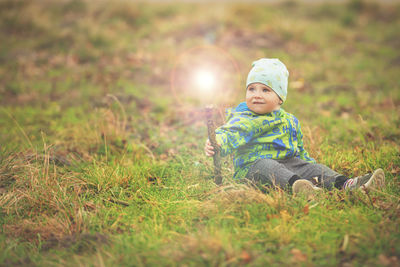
column 267, row 141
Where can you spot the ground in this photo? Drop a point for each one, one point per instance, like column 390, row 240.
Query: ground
column 101, row 134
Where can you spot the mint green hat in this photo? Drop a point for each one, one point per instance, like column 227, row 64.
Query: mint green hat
column 271, row 72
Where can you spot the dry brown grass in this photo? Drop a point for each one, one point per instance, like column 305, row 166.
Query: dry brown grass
column 42, row 198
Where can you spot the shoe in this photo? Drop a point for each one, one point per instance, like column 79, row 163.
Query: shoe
column 304, row 187
column 374, row 180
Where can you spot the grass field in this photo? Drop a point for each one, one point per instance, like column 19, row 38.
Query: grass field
column 101, row 151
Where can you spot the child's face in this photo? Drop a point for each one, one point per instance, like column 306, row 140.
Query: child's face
column 261, row 99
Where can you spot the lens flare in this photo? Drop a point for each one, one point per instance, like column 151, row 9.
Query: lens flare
column 204, row 80
column 205, row 74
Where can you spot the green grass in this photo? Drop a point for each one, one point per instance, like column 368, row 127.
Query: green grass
column 102, row 165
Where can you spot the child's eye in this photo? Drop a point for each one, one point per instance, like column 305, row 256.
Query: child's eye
column 251, row 89
column 265, row 90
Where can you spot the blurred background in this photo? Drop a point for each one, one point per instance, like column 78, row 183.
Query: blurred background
column 63, row 61
column 102, row 130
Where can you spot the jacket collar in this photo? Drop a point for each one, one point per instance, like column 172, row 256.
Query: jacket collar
column 242, row 107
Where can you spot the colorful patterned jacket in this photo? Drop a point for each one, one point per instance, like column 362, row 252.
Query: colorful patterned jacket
column 250, row 136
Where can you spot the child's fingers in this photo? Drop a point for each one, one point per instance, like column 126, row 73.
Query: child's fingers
column 208, row 148
column 208, row 143
column 210, row 153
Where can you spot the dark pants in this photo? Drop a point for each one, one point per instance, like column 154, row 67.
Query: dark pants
column 285, row 172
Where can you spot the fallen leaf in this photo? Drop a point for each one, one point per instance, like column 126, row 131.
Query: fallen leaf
column 272, row 216
column 306, row 209
column 245, row 257
column 395, row 170
column 298, row 255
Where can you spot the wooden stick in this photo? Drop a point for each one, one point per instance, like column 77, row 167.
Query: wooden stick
column 213, row 141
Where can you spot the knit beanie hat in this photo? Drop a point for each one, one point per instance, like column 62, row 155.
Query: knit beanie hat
column 271, row 72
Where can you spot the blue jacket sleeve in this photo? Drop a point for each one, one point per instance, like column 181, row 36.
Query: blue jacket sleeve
column 235, row 133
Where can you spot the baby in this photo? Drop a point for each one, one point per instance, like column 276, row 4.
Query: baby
column 267, row 141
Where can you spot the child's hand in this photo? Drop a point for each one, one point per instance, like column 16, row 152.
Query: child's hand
column 209, row 149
